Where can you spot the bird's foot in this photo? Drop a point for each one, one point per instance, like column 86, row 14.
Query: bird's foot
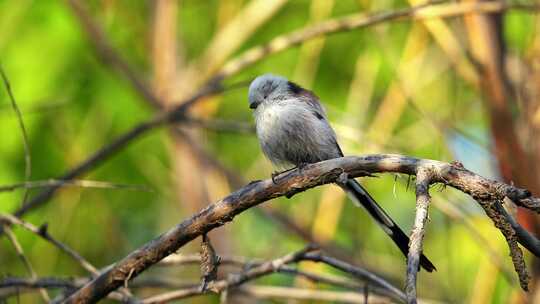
column 300, row 167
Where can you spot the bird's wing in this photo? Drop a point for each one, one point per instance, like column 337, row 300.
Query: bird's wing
column 307, row 96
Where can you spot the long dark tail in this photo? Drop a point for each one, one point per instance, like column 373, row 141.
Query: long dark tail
column 362, row 198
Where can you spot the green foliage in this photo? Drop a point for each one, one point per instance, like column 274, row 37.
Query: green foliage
column 73, row 105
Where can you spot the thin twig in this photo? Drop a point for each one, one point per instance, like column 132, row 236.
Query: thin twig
column 13, row 286
column 166, row 117
column 249, row 57
column 20, row 252
column 431, row 9
column 27, row 154
column 279, row 265
column 43, row 233
column 110, row 56
column 75, row 183
column 423, row 180
column 358, row 273
column 49, row 283
column 326, row 296
column 221, row 125
column 91, row 162
column 497, row 214
column 242, row 262
column 450, row 209
column 195, row 259
column 233, row 280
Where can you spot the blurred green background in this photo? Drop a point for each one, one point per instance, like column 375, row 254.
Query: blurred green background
column 407, row 87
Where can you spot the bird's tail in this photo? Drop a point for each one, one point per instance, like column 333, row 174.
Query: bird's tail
column 362, row 198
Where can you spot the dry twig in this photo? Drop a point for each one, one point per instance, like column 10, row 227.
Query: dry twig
column 273, row 292
column 13, row 239
column 76, row 183
column 43, row 233
column 427, row 10
column 27, row 154
column 423, row 180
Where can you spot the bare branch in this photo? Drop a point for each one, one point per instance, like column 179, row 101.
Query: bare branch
column 27, row 154
column 109, row 55
column 236, row 281
column 195, row 259
column 213, row 86
column 13, row 286
column 243, row 262
column 76, row 183
column 289, row 184
column 496, row 213
column 233, row 280
column 423, row 180
column 116, row 145
column 357, row 273
column 273, row 292
column 49, row 283
column 94, row 160
column 13, row 239
column 43, row 233
column 221, row 125
column 430, row 9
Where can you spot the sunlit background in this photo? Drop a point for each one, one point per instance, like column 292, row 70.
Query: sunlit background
column 417, row 88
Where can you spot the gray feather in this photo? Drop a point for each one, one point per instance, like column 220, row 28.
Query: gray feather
column 291, row 123
column 293, row 130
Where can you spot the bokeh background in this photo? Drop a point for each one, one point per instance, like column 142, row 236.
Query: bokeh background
column 462, row 88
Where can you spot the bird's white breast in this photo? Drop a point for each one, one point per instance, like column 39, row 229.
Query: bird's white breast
column 270, row 119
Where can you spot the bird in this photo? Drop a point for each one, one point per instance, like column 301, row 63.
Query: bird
column 293, row 131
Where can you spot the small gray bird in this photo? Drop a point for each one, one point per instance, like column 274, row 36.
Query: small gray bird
column 293, row 131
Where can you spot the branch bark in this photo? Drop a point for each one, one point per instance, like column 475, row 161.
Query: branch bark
column 289, row 184
column 423, row 180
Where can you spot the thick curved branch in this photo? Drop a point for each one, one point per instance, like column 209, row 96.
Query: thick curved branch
column 289, row 184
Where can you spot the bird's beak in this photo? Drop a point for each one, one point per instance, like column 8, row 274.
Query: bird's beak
column 254, row 105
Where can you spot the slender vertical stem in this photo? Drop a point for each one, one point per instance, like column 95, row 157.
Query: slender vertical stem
column 423, row 178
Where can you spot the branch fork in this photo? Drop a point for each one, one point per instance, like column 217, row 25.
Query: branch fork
column 253, row 194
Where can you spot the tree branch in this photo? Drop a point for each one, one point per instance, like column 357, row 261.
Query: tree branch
column 109, row 56
column 43, row 233
column 423, row 180
column 289, row 184
column 291, row 293
column 430, row 9
column 249, row 57
column 13, row 239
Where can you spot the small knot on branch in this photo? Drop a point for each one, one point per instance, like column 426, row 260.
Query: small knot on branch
column 342, row 179
column 43, row 229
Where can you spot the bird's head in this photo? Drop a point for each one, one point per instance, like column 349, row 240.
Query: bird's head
column 267, row 88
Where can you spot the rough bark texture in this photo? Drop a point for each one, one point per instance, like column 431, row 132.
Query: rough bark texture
column 223, row 211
